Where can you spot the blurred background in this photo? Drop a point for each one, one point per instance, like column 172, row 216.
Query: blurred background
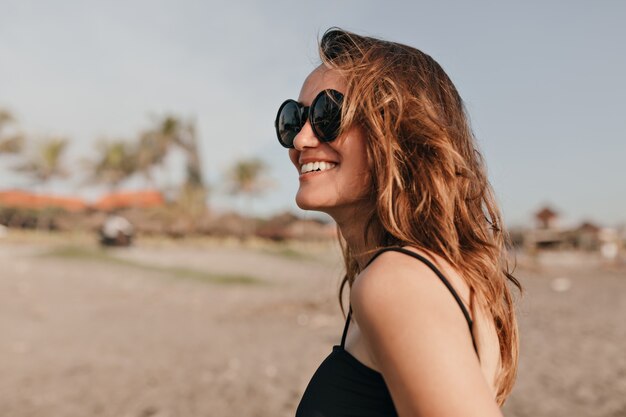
column 153, row 261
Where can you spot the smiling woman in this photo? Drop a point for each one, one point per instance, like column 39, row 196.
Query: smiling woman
column 380, row 140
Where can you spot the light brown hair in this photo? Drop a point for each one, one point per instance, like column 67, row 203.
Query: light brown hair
column 429, row 181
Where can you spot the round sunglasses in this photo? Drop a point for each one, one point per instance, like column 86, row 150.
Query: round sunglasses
column 324, row 114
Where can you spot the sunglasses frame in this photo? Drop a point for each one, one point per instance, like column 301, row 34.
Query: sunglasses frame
column 305, row 114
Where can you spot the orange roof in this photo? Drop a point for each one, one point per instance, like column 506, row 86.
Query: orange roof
column 25, row 199
column 138, row 199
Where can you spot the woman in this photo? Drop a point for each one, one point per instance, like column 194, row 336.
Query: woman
column 382, row 143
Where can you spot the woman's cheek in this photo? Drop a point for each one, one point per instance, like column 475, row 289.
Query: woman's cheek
column 293, row 157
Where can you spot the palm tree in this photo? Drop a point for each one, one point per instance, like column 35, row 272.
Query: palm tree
column 247, row 178
column 167, row 133
column 46, row 163
column 43, row 166
column 154, row 145
column 117, row 161
column 9, row 143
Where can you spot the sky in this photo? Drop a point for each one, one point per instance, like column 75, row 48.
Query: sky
column 543, row 82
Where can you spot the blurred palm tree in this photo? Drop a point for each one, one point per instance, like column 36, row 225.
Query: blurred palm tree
column 167, row 133
column 11, row 143
column 153, row 147
column 247, row 178
column 117, row 161
column 45, row 163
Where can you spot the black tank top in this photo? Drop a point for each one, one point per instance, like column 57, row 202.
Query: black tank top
column 342, row 386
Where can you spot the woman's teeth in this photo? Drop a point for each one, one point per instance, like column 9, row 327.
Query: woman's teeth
column 316, row 166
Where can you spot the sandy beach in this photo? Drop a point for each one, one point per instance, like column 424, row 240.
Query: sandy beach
column 199, row 328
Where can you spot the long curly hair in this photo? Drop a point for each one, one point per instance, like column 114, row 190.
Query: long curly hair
column 429, row 183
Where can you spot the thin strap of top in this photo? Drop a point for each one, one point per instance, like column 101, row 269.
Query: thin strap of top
column 436, row 271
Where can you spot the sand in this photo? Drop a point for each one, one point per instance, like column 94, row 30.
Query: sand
column 143, row 331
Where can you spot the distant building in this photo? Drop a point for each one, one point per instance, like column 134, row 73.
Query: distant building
column 587, row 236
column 546, row 218
column 546, row 234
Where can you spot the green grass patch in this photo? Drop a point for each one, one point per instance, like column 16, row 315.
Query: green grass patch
column 316, row 253
column 102, row 255
column 289, row 253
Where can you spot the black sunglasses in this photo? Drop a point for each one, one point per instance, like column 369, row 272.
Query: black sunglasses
column 324, row 115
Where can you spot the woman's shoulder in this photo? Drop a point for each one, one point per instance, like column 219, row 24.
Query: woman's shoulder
column 415, row 331
column 397, row 291
column 395, row 273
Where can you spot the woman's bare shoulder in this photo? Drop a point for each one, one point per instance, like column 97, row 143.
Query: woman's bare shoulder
column 394, row 273
column 419, row 338
column 396, row 280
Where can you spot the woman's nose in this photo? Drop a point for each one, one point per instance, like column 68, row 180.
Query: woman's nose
column 305, row 138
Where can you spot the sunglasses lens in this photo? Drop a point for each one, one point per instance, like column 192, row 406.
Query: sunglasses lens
column 288, row 123
column 326, row 115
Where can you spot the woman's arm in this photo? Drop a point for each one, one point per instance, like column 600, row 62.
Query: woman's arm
column 420, row 340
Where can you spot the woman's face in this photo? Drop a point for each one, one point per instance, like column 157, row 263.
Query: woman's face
column 344, row 186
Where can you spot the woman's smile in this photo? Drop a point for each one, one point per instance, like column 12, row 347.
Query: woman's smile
column 313, row 169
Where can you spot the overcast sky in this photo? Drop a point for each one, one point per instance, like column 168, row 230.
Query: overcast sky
column 543, row 81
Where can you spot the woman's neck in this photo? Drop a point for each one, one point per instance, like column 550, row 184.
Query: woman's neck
column 352, row 227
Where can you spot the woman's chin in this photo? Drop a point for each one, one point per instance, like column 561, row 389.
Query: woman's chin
column 310, row 202
column 308, row 206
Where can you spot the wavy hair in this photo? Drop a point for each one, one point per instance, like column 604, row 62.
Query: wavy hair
column 428, row 179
